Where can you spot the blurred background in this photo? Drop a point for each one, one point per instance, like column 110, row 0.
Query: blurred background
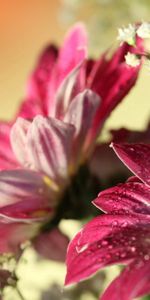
column 25, row 28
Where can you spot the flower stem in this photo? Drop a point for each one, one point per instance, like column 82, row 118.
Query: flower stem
column 19, row 293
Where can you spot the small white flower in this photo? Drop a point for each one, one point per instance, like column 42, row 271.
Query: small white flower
column 132, row 60
column 127, row 34
column 144, row 30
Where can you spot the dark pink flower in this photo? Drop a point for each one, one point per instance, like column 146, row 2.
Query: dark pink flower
column 122, row 235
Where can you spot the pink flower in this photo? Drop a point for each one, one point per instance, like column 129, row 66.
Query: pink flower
column 122, row 235
column 63, row 100
column 47, row 152
column 63, row 73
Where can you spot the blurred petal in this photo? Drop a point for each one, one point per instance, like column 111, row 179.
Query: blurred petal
column 103, row 241
column 133, row 282
column 37, row 85
column 36, row 94
column 19, row 141
column 49, row 144
column 7, row 157
column 66, row 92
column 136, row 157
column 71, row 57
column 13, row 234
column 124, row 135
column 131, row 197
column 106, row 166
column 29, row 109
column 4, row 278
column 24, row 195
column 74, row 50
column 112, row 79
column 81, row 113
column 52, row 245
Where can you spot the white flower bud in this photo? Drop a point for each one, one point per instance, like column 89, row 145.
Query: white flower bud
column 127, row 34
column 132, row 60
column 144, row 30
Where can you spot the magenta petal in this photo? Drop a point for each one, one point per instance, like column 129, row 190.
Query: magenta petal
column 73, row 51
column 13, row 234
column 133, row 282
column 49, row 145
column 81, row 113
column 103, row 241
column 29, row 109
column 24, row 195
column 52, row 245
column 7, row 157
column 37, row 85
column 19, row 140
column 37, row 88
column 136, row 157
column 131, row 197
column 119, row 77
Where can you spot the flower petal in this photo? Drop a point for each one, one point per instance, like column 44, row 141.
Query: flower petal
column 112, row 79
column 129, row 198
column 37, row 88
column 66, row 91
column 81, row 113
column 13, row 234
column 52, row 245
column 106, row 166
column 24, row 195
column 103, row 241
column 19, row 141
column 73, row 51
column 133, row 282
column 7, row 157
column 136, row 157
column 49, row 144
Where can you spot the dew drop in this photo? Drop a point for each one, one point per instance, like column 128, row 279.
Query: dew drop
column 110, row 247
column 124, row 224
column 114, row 223
column 123, row 255
column 133, row 249
column 146, row 257
column 132, row 149
column 104, row 243
column 81, row 249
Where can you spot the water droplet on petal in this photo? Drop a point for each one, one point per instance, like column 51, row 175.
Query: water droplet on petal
column 123, row 255
column 80, row 249
column 104, row 243
column 124, row 224
column 114, row 223
column 110, row 247
column 133, row 249
column 146, row 257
